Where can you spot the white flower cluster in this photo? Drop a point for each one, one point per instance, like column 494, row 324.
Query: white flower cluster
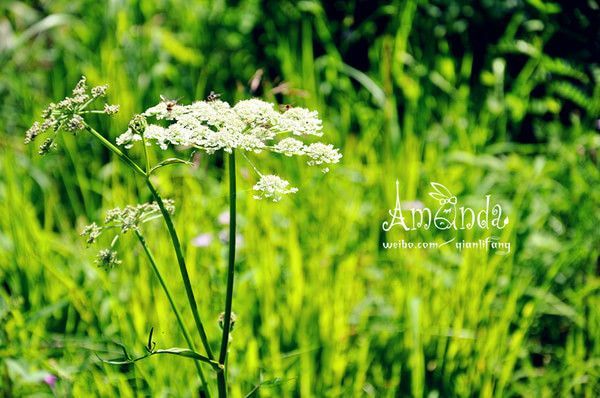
column 66, row 114
column 272, row 187
column 251, row 125
column 130, row 217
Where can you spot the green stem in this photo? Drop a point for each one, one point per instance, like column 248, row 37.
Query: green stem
column 146, row 159
column 182, row 267
column 116, row 151
column 221, row 376
column 165, row 288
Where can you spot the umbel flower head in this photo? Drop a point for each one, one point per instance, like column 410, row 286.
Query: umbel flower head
column 67, row 114
column 127, row 218
column 272, row 187
column 251, row 126
column 123, row 219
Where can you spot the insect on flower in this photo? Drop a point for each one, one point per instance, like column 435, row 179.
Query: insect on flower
column 285, row 107
column 212, row 96
column 170, row 103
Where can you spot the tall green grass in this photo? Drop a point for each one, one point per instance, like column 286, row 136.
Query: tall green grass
column 322, row 309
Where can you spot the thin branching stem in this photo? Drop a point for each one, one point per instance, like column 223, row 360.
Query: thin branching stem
column 221, row 376
column 165, row 288
column 116, row 151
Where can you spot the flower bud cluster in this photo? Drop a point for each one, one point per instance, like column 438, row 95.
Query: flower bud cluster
column 124, row 219
column 67, row 114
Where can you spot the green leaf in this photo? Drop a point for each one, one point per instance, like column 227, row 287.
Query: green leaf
column 167, row 162
column 181, row 352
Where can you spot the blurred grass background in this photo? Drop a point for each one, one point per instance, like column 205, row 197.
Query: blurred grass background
column 485, row 97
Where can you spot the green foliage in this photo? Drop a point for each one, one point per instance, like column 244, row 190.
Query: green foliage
column 486, row 99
